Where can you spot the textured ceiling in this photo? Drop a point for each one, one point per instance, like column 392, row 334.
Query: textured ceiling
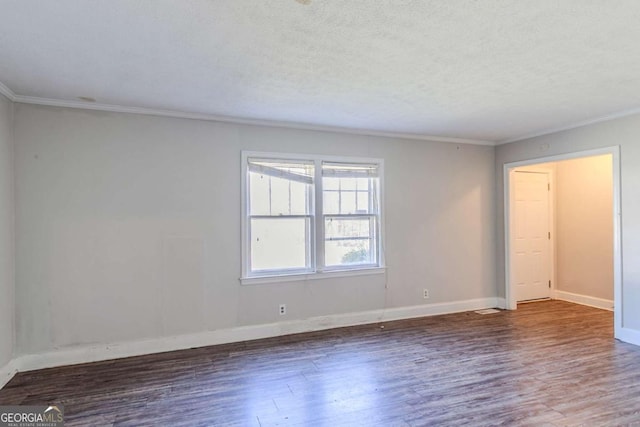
column 486, row 70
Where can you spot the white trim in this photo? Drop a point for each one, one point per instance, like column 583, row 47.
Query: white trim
column 510, row 300
column 8, row 371
column 632, row 336
column 244, row 206
column 605, row 304
column 333, row 274
column 618, row 301
column 317, row 249
column 4, row 90
column 246, row 121
column 614, row 151
column 292, row 125
column 574, row 125
column 94, row 353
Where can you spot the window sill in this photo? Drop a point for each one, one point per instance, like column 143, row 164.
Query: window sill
column 299, row 277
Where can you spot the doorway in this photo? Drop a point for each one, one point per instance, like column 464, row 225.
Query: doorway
column 530, row 252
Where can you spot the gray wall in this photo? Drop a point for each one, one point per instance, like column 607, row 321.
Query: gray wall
column 112, row 207
column 584, row 226
column 624, row 132
column 6, row 233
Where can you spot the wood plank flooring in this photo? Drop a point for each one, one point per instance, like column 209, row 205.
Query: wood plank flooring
column 547, row 364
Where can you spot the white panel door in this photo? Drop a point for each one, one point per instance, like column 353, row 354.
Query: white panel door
column 531, row 269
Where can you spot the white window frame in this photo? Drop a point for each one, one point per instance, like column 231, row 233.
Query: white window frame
column 318, row 271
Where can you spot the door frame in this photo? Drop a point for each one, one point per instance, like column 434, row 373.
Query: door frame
column 550, row 172
column 614, row 151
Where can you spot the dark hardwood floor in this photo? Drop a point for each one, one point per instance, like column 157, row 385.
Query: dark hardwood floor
column 548, row 363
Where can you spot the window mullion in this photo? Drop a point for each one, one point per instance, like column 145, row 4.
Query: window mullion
column 374, row 199
column 270, row 198
column 246, row 253
column 319, row 215
column 373, row 234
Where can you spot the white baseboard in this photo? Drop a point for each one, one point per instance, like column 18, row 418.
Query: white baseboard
column 604, row 304
column 7, row 372
column 631, row 336
column 95, row 353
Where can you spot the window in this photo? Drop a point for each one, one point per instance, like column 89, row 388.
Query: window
column 280, row 215
column 310, row 215
column 350, row 214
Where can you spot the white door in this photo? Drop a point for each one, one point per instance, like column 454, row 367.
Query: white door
column 531, row 272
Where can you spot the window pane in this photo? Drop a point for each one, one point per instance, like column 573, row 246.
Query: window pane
column 280, row 197
column 347, row 202
column 271, row 195
column 353, row 195
column 348, row 252
column 300, row 198
column 331, row 201
column 348, row 183
column 278, row 187
column 279, row 243
column 338, row 228
column 259, row 194
column 362, row 184
column 363, row 202
column 349, row 241
column 330, row 183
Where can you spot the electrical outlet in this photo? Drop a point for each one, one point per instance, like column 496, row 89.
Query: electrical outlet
column 283, row 309
column 425, row 293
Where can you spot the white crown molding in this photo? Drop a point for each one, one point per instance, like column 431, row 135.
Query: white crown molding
column 4, row 90
column 226, row 119
column 574, row 125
